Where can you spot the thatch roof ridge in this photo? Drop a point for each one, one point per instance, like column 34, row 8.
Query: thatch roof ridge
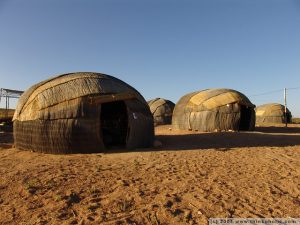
column 154, row 104
column 25, row 96
column 271, row 109
column 152, row 101
column 30, row 95
column 269, row 104
column 208, row 96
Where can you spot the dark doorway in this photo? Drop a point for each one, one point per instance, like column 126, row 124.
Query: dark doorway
column 245, row 121
column 114, row 124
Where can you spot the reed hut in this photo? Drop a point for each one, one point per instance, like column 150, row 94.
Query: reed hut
column 162, row 111
column 214, row 110
column 82, row 113
column 272, row 113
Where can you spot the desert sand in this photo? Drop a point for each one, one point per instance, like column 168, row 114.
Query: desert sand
column 191, row 177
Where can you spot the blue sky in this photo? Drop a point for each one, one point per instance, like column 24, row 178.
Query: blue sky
column 164, row 48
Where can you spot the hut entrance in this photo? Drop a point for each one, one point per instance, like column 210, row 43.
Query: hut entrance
column 245, row 120
column 114, row 124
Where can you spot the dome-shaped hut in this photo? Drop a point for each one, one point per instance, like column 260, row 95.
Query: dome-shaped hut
column 214, row 109
column 81, row 113
column 272, row 113
column 161, row 110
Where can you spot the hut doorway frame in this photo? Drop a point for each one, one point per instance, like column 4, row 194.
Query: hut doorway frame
column 114, row 124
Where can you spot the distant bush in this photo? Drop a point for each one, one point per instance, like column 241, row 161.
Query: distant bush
column 296, row 120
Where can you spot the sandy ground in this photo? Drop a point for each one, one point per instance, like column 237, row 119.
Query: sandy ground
column 190, row 178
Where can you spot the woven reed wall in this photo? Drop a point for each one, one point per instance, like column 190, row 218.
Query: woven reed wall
column 141, row 129
column 270, row 119
column 62, row 136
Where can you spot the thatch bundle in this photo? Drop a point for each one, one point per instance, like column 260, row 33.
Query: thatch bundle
column 162, row 110
column 214, row 109
column 272, row 113
column 80, row 113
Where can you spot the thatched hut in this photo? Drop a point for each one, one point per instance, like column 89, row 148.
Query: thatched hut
column 214, row 110
column 81, row 113
column 272, row 113
column 162, row 110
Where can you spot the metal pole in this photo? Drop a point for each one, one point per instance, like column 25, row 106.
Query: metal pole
column 285, row 109
column 6, row 105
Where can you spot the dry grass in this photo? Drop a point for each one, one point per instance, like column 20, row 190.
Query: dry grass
column 296, row 120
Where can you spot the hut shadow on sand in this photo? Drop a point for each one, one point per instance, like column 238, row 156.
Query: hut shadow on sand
column 226, row 141
column 223, row 141
column 276, row 129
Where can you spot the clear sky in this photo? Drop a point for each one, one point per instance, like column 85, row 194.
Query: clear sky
column 164, row 48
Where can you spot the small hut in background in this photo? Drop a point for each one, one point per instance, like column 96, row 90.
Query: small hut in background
column 272, row 113
column 214, row 109
column 82, row 113
column 161, row 110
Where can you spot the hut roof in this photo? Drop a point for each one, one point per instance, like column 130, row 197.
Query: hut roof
column 212, row 98
column 271, row 109
column 67, row 88
column 154, row 104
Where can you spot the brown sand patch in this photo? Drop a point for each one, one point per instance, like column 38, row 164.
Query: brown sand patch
column 190, row 178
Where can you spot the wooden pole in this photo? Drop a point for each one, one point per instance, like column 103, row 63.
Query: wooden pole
column 285, row 109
